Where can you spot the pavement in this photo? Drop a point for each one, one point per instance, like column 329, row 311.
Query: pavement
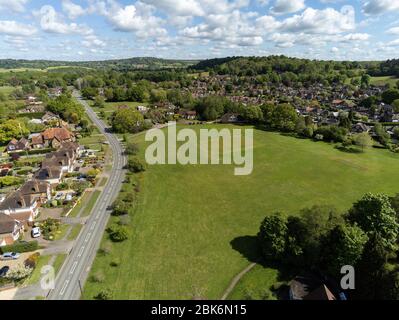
column 73, row 274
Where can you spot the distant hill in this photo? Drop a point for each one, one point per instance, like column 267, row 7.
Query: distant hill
column 141, row 63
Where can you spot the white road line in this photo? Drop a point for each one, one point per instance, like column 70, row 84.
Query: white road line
column 93, row 226
column 81, row 252
column 64, row 287
column 88, row 237
column 74, row 267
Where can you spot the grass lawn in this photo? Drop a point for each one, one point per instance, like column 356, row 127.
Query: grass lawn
column 111, row 107
column 75, row 211
column 36, row 274
column 103, row 182
column 59, row 261
column 60, row 234
column 194, row 227
column 255, row 285
column 93, row 142
column 382, row 81
column 74, row 232
column 91, row 203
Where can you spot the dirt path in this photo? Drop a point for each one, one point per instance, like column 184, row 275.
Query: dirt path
column 236, row 279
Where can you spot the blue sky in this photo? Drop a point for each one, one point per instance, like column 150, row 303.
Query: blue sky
column 193, row 29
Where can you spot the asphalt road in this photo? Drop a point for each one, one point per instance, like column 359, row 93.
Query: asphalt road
column 74, row 272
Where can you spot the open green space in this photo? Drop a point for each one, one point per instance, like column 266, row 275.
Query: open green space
column 382, row 81
column 74, row 232
column 194, row 227
column 36, row 274
column 113, row 106
column 58, row 262
column 91, row 203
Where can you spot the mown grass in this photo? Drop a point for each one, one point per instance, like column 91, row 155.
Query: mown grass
column 74, row 232
column 75, row 211
column 382, row 81
column 90, row 204
column 194, row 226
column 58, row 262
column 36, row 274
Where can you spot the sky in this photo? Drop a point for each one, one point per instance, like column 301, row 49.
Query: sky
column 77, row 30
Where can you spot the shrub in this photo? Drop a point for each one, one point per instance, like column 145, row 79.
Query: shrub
column 105, row 294
column 124, row 220
column 120, row 208
column 132, row 148
column 10, row 181
column 31, row 262
column 119, row 234
column 49, row 228
column 19, row 273
column 129, row 197
column 21, row 247
column 135, row 165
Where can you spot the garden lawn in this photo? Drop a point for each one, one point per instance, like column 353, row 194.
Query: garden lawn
column 194, row 227
column 382, row 81
column 111, row 107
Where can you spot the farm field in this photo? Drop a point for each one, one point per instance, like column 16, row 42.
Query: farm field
column 111, row 107
column 194, row 227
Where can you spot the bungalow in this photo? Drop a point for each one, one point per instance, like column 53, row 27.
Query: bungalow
column 37, row 141
column 18, row 146
column 18, row 206
column 49, row 117
column 10, row 230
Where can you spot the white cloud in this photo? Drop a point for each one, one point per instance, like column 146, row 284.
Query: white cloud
column 287, row 6
column 375, row 7
column 326, row 21
column 52, row 22
column 14, row 28
column 393, row 31
column 13, row 5
column 72, row 10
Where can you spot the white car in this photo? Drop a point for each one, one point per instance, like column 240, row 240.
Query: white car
column 36, row 233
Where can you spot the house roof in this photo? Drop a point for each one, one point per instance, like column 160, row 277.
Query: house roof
column 7, row 224
column 17, row 200
column 69, row 146
column 60, row 134
column 34, row 186
column 37, row 139
column 321, row 293
column 52, row 172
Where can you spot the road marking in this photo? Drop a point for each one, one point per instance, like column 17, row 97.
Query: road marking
column 64, row 287
column 74, row 267
column 93, row 226
column 88, row 237
column 81, row 252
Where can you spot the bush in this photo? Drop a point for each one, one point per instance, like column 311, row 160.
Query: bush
column 135, row 165
column 105, row 294
column 31, row 262
column 124, row 220
column 21, row 247
column 119, row 234
column 19, row 274
column 49, row 228
column 120, row 208
column 132, row 149
column 129, row 197
column 10, row 181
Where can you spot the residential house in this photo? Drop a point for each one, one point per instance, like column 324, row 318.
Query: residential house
column 230, row 118
column 21, row 207
column 10, row 230
column 18, row 145
column 52, row 175
column 142, row 109
column 54, row 137
column 188, row 115
column 49, row 117
column 360, row 128
column 64, row 159
column 309, row 288
column 32, row 109
column 37, row 141
column 41, row 190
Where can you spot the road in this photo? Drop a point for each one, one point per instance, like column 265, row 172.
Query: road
column 74, row 272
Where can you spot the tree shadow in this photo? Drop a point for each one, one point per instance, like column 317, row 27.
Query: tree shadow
column 348, row 149
column 248, row 247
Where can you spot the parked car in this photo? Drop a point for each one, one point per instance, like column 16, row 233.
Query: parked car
column 36, row 233
column 10, row 256
column 3, row 271
column 59, row 196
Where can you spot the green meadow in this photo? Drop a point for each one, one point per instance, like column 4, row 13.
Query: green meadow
column 193, row 227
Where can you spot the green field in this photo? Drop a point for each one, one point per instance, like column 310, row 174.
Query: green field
column 111, row 107
column 194, row 227
column 382, row 81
